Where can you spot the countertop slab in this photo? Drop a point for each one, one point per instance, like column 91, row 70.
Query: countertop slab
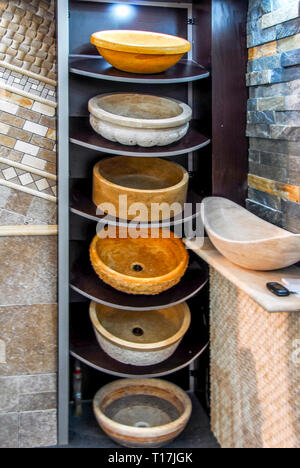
column 252, row 283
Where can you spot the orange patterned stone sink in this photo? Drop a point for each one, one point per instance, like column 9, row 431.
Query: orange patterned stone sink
column 139, row 265
column 140, row 51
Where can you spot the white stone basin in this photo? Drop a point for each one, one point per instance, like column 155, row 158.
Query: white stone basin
column 246, row 239
column 139, row 119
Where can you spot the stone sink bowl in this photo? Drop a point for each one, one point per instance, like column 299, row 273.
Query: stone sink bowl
column 139, row 119
column 141, row 265
column 142, row 413
column 140, row 51
column 141, row 180
column 140, row 339
column 247, row 240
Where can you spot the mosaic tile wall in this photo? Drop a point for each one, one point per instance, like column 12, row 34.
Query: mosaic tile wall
column 28, row 195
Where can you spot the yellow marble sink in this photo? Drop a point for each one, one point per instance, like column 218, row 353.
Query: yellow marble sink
column 247, row 240
column 140, row 51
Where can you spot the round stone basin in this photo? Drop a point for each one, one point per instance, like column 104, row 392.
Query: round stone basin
column 139, row 119
column 140, row 52
column 140, row 339
column 142, row 265
column 146, row 181
column 141, row 413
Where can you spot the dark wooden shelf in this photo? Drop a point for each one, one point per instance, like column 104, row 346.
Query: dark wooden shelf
column 85, row 348
column 96, row 67
column 82, row 134
column 82, row 205
column 87, row 283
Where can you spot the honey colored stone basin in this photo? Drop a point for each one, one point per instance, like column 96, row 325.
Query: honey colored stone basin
column 142, row 180
column 139, row 265
column 142, row 413
column 246, row 239
column 140, row 338
column 139, row 119
column 140, row 51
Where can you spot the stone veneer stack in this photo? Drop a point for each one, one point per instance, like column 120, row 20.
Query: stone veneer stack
column 28, row 265
column 274, row 111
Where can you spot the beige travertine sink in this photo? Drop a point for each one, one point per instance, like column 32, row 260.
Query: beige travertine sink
column 139, row 119
column 246, row 239
column 140, row 339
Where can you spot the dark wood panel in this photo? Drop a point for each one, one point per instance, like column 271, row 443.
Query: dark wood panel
column 229, row 63
column 202, row 33
column 83, row 88
column 89, row 17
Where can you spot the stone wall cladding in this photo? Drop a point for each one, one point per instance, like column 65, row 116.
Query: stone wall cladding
column 28, row 195
column 274, row 111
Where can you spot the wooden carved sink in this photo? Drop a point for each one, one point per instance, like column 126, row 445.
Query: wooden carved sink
column 142, row 413
column 247, row 240
column 139, row 119
column 140, row 51
column 142, row 180
column 140, row 339
column 139, row 265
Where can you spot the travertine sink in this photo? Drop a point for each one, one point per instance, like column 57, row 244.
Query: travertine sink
column 139, row 265
column 140, row 339
column 139, row 119
column 142, row 413
column 140, row 51
column 141, row 180
column 247, row 240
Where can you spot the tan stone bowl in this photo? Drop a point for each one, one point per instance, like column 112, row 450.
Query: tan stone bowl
column 139, row 119
column 140, row 339
column 139, row 266
column 142, row 413
column 142, row 180
column 246, row 239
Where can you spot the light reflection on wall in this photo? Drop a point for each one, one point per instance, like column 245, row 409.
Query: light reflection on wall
column 125, row 12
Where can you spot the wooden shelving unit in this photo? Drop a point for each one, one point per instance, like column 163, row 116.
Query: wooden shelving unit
column 183, row 72
column 82, row 75
column 82, row 134
column 81, row 204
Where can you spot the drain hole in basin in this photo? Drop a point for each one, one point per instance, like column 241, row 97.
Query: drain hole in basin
column 142, row 425
column 138, row 331
column 137, row 267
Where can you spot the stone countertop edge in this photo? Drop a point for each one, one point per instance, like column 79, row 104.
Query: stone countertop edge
column 251, row 282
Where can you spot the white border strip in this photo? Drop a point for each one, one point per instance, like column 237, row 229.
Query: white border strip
column 26, row 168
column 23, row 71
column 33, row 97
column 29, row 230
column 6, row 183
